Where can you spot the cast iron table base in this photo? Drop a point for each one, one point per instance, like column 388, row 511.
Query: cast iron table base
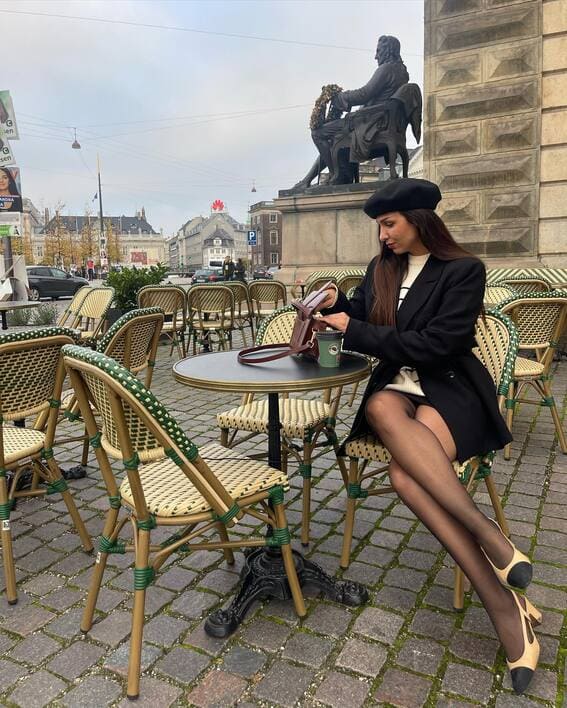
column 264, row 576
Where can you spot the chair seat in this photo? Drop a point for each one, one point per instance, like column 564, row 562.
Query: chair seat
column 169, row 492
column 20, row 443
column 168, row 327
column 296, row 416
column 527, row 368
column 86, row 334
column 207, row 325
column 367, row 447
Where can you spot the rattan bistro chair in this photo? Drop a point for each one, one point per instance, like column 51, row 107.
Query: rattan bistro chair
column 266, row 297
column 541, row 319
column 91, row 314
column 69, row 316
column 524, row 284
column 497, row 344
column 495, row 295
column 243, row 313
column 210, row 312
column 169, row 483
column 346, row 283
column 132, row 341
column 172, row 300
column 31, row 378
column 301, row 418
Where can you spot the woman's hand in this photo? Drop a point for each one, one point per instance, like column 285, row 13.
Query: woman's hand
column 330, row 300
column 339, row 321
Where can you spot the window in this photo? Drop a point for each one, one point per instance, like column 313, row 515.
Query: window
column 273, row 218
column 56, row 273
column 274, row 258
column 273, row 238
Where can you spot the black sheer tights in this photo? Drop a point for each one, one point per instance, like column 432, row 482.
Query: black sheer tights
column 422, row 475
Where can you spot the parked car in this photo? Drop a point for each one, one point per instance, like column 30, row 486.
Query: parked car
column 206, row 275
column 46, row 281
column 261, row 273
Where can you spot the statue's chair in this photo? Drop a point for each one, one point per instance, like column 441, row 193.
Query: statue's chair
column 171, row 299
column 131, row 341
column 91, row 314
column 301, row 419
column 497, row 345
column 31, row 379
column 541, row 319
column 170, row 483
column 210, row 314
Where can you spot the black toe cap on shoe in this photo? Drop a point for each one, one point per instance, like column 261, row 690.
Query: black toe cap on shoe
column 520, row 575
column 521, row 678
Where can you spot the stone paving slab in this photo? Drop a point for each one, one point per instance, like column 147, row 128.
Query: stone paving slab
column 406, row 647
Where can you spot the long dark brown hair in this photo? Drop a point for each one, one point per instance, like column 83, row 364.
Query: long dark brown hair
column 391, row 269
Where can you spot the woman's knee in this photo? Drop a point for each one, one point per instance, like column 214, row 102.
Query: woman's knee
column 384, row 411
column 399, row 478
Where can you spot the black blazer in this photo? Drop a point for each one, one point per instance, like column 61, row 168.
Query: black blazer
column 434, row 334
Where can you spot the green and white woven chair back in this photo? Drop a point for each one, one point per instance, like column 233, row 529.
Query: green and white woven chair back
column 268, row 292
column 334, row 274
column 277, row 328
column 137, row 326
column 554, row 276
column 135, row 397
column 96, row 303
column 28, row 368
column 497, row 347
column 495, row 295
column 239, row 290
column 346, row 283
column 318, row 283
column 526, row 284
column 169, row 298
column 538, row 317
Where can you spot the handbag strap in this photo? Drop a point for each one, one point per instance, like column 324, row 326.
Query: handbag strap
column 281, row 351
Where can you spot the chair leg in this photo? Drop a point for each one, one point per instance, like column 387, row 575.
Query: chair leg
column 287, row 555
column 459, row 589
column 7, row 546
column 496, row 505
column 353, row 394
column 224, row 437
column 98, row 572
column 509, row 416
column 85, row 454
column 305, row 471
column 55, row 476
column 183, row 346
column 227, row 552
column 555, row 415
column 135, row 660
column 353, row 475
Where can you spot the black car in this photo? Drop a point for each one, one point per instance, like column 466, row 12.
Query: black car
column 45, row 281
column 261, row 273
column 206, row 275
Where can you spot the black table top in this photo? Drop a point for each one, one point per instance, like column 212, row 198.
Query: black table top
column 220, row 371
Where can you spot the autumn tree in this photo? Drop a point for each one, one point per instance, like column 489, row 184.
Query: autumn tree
column 113, row 246
column 88, row 247
column 58, row 246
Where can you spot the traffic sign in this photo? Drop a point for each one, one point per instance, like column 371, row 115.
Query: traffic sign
column 252, row 238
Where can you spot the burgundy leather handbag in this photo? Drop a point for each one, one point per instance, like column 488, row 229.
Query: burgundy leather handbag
column 303, row 340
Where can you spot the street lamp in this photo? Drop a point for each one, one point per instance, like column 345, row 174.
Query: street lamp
column 76, row 145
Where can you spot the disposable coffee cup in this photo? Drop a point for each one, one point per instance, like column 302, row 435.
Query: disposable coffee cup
column 330, row 343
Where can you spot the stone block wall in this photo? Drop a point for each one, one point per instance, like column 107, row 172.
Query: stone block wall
column 489, row 82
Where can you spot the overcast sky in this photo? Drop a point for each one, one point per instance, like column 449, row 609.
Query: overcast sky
column 161, row 106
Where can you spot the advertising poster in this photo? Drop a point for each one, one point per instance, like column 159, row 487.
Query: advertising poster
column 6, row 156
column 10, row 189
column 139, row 257
column 7, row 116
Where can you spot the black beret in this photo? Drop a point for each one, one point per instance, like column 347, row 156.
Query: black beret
column 402, row 194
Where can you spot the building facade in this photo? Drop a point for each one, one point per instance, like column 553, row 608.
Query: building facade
column 204, row 242
column 496, row 126
column 132, row 241
column 266, row 220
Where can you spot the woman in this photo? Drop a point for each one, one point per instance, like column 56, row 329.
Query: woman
column 240, row 270
column 430, row 400
column 10, row 199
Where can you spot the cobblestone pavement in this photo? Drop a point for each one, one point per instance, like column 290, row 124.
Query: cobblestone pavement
column 406, row 647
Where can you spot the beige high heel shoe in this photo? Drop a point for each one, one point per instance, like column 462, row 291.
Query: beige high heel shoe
column 522, row 670
column 518, row 572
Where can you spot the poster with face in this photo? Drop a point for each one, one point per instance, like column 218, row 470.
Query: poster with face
column 10, row 189
column 7, row 116
column 6, row 156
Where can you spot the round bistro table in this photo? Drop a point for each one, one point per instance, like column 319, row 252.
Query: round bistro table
column 263, row 574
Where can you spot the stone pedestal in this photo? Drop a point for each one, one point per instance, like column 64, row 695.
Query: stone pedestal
column 325, row 227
